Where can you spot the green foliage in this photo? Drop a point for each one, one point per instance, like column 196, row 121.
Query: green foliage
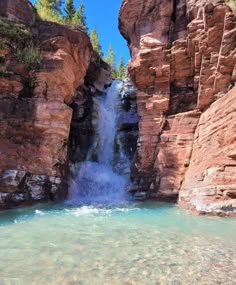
column 79, row 18
column 70, row 10
column 121, row 69
column 95, row 41
column 231, row 4
column 57, row 5
column 13, row 34
column 110, row 59
column 3, row 44
column 30, row 56
column 16, row 36
column 49, row 10
column 118, row 72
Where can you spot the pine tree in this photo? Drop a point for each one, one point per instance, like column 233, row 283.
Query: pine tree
column 121, row 69
column 95, row 41
column 70, row 10
column 79, row 18
column 57, row 6
column 49, row 10
column 110, row 59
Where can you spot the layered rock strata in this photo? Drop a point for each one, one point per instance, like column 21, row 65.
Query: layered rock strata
column 183, row 60
column 36, row 105
column 210, row 183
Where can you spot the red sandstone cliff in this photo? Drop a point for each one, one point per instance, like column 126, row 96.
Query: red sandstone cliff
column 35, row 103
column 184, row 66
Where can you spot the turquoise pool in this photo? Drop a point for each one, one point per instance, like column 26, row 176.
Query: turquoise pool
column 138, row 244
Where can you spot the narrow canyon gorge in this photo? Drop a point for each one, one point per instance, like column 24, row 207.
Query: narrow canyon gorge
column 118, row 176
column 178, row 120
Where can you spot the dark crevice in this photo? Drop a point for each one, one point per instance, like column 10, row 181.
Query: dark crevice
column 172, row 23
column 173, row 16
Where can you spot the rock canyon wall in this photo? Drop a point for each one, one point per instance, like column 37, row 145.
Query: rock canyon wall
column 37, row 103
column 184, row 65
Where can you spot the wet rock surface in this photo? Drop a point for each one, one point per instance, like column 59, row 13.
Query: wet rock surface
column 127, row 133
column 24, row 188
column 84, row 137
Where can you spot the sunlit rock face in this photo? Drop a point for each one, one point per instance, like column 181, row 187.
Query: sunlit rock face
column 36, row 108
column 183, row 60
column 210, row 183
column 66, row 57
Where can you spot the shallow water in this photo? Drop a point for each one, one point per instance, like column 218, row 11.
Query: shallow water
column 100, row 237
column 140, row 243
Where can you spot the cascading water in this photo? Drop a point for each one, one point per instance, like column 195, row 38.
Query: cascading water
column 107, row 124
column 97, row 182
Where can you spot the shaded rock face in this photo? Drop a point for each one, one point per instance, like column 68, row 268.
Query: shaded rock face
column 34, row 135
column 36, row 111
column 18, row 10
column 21, row 188
column 183, row 60
column 97, row 79
column 127, row 129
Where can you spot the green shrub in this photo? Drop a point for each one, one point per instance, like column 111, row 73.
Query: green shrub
column 52, row 17
column 30, row 56
column 231, row 4
column 14, row 33
column 49, row 10
column 3, row 45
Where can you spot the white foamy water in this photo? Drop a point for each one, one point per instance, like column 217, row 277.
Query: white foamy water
column 107, row 123
column 96, row 182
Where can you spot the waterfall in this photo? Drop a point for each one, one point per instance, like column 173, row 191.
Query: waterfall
column 97, row 182
column 107, row 123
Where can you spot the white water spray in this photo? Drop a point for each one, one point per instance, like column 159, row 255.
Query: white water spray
column 96, row 182
column 107, row 123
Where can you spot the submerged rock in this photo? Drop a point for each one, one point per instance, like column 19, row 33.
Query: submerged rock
column 141, row 195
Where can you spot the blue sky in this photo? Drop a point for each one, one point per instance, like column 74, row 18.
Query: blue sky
column 103, row 14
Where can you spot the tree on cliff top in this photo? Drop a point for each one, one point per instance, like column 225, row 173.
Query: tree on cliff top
column 50, row 10
column 121, row 69
column 70, row 10
column 79, row 18
column 110, row 59
column 95, row 41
